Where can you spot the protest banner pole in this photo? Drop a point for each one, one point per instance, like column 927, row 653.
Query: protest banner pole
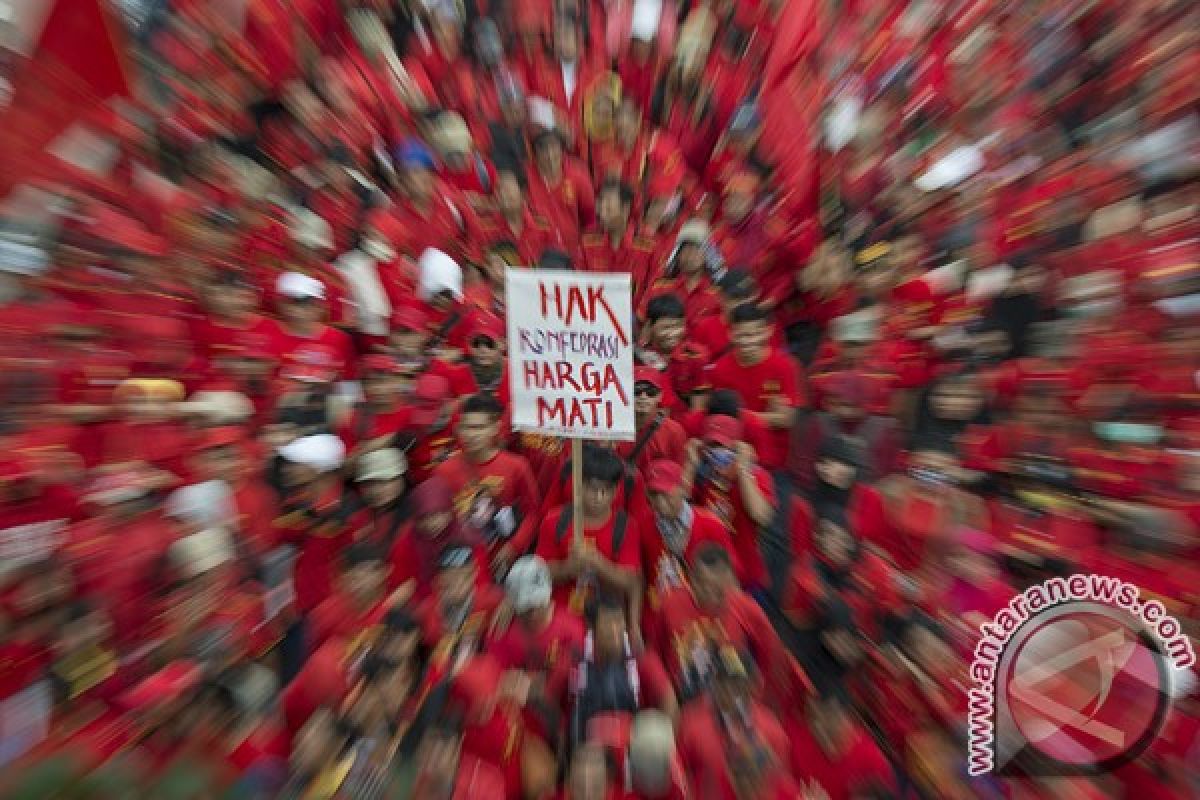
column 577, row 487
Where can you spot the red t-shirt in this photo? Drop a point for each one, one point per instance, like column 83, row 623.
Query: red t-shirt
column 552, row 547
column 329, row 350
column 860, row 766
column 777, row 375
column 364, row 425
column 482, row 491
column 413, row 558
column 215, row 339
column 685, row 629
column 726, row 503
column 664, row 571
column 704, row 751
column 668, row 441
column 545, row 650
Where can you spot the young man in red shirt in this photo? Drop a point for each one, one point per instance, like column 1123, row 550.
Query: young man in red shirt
column 658, row 436
column 542, row 636
column 674, row 532
column 714, row 612
column 766, row 378
column 667, row 348
column 686, row 274
column 604, row 558
column 721, row 476
column 770, row 384
column 834, row 756
column 730, row 742
column 613, row 244
column 307, row 342
column 560, row 190
column 493, row 489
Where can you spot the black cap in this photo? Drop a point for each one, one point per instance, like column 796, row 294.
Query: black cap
column 554, row 259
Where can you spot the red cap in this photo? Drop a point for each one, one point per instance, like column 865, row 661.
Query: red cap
column 380, row 362
column 165, row 686
column 408, row 318
column 651, row 376
column 664, row 476
column 223, row 436
column 485, row 324
column 430, row 392
column 723, row 430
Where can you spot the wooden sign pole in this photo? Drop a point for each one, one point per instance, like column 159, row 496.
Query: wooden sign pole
column 577, row 487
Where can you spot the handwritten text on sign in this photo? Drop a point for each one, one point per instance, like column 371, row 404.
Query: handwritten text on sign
column 570, row 350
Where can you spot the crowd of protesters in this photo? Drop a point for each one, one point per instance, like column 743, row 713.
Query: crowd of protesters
column 918, row 325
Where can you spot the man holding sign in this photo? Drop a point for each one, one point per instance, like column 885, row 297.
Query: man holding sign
column 571, row 375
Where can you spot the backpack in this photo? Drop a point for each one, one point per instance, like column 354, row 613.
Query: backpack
column 620, row 522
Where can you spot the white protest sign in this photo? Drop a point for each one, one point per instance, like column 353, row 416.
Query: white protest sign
column 570, row 353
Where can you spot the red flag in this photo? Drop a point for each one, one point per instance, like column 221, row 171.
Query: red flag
column 799, row 33
column 77, row 65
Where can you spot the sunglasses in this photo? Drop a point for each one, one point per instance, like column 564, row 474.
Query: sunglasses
column 483, row 341
column 647, row 389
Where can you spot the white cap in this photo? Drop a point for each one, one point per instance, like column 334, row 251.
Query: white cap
column 646, row 16
column 440, row 273
column 219, row 406
column 651, row 748
column 382, row 465
column 694, row 231
column 22, row 258
column 952, row 169
column 205, row 504
column 528, row 584
column 324, row 452
column 202, row 551
column 309, row 229
column 299, row 286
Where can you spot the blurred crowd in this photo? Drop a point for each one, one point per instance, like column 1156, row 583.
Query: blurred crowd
column 918, row 316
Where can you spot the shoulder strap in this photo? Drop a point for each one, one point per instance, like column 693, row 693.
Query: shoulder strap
column 444, row 329
column 644, row 439
column 638, row 447
column 564, row 522
column 619, row 525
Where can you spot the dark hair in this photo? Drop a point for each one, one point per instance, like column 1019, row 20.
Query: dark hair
column 361, row 552
column 514, row 171
column 400, row 620
column 604, row 603
column 748, row 312
column 665, row 306
column 737, row 284
column 624, row 190
column 374, row 667
column 712, row 555
column 725, row 403
column 553, row 258
column 603, row 465
column 482, row 403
